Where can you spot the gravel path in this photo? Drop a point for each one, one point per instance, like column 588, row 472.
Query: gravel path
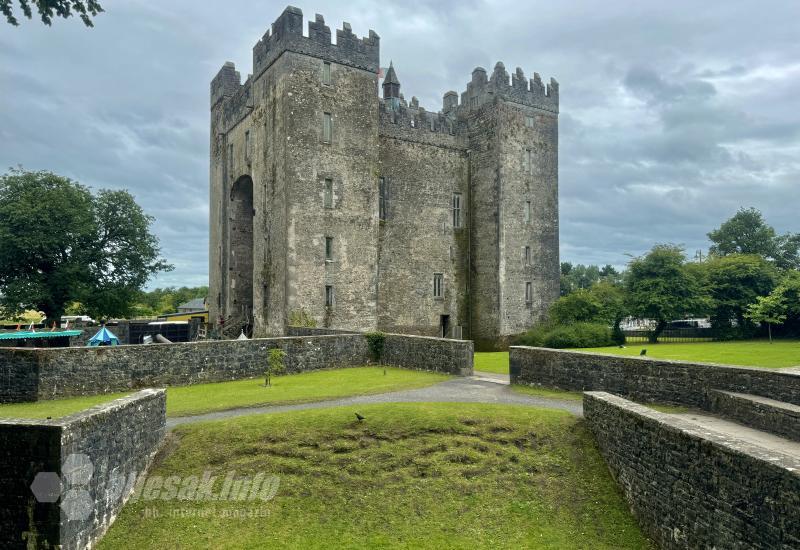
column 481, row 388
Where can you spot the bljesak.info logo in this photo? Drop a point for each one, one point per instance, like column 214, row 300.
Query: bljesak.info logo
column 74, row 488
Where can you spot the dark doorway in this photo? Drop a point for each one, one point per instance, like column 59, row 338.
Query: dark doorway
column 240, row 241
column 444, row 326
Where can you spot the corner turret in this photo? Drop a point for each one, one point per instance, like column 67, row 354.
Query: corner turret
column 391, row 85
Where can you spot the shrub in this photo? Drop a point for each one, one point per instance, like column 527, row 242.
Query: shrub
column 375, row 341
column 579, row 335
column 275, row 365
column 534, row 336
column 301, row 318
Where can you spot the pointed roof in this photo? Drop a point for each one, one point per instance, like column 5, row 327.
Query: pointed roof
column 391, row 76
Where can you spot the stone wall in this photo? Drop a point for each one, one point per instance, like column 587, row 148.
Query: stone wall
column 760, row 413
column 641, row 378
column 315, row 331
column 431, row 354
column 89, row 460
column 691, row 488
column 63, row 372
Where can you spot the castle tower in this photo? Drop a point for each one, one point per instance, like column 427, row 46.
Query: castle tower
column 293, row 195
column 513, row 148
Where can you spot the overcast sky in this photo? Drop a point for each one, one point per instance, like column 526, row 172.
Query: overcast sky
column 673, row 114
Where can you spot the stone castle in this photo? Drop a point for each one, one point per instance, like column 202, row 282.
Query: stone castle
column 331, row 203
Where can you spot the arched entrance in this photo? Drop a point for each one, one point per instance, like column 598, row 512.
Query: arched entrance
column 240, row 239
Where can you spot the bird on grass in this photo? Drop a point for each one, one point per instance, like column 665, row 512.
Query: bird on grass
column 643, row 352
column 360, row 418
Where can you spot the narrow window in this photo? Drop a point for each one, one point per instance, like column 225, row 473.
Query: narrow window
column 328, row 296
column 383, row 198
column 527, row 211
column 456, row 209
column 326, row 73
column 230, row 159
column 528, row 292
column 529, row 155
column 327, row 127
column 529, row 121
column 527, row 255
column 525, row 159
column 438, row 285
column 328, row 249
column 327, row 194
column 247, row 145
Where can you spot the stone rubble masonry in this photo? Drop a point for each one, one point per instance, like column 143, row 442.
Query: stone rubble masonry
column 493, row 149
column 31, row 374
column 691, row 488
column 120, row 438
column 760, row 413
column 642, row 378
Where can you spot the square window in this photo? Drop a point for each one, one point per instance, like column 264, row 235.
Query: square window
column 327, row 127
column 327, row 194
column 326, row 73
column 438, row 285
column 329, row 249
column 328, row 296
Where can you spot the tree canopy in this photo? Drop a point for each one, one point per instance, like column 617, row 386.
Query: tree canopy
column 660, row 287
column 748, row 233
column 60, row 244
column 48, row 9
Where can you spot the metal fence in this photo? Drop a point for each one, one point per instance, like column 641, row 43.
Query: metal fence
column 672, row 335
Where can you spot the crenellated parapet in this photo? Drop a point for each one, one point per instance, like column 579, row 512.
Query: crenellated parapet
column 225, row 84
column 287, row 35
column 411, row 122
column 482, row 89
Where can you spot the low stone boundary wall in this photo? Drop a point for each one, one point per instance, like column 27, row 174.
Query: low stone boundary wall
column 33, row 374
column 64, row 481
column 315, row 331
column 677, row 382
column 691, row 488
column 758, row 412
column 428, row 353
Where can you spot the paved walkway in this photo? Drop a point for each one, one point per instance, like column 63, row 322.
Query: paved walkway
column 483, row 387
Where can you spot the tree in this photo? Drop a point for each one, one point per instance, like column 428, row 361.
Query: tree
column 579, row 276
column 577, row 307
column 59, row 244
column 47, row 9
column 769, row 309
column 660, row 287
column 734, row 282
column 748, row 233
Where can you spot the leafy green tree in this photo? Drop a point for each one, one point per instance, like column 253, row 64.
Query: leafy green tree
column 660, row 287
column 59, row 244
column 579, row 276
column 578, row 306
column 769, row 309
column 47, row 9
column 734, row 282
column 748, row 233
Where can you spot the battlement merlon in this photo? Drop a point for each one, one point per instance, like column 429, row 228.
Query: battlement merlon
column 287, row 35
column 533, row 93
column 225, row 84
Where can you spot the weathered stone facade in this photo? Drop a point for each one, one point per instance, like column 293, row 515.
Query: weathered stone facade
column 33, row 374
column 371, row 213
column 119, row 439
column 695, row 488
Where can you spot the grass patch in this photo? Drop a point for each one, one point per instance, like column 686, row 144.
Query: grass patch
column 296, row 388
column 491, row 361
column 429, row 475
column 750, row 353
column 55, row 408
column 549, row 393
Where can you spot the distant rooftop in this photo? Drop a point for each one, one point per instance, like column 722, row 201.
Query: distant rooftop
column 198, row 304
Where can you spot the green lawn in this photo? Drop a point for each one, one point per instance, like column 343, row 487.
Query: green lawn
column 549, row 393
column 296, row 388
column 492, row 361
column 753, row 353
column 430, row 475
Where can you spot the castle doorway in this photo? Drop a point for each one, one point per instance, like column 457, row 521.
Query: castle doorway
column 444, row 326
column 240, row 239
